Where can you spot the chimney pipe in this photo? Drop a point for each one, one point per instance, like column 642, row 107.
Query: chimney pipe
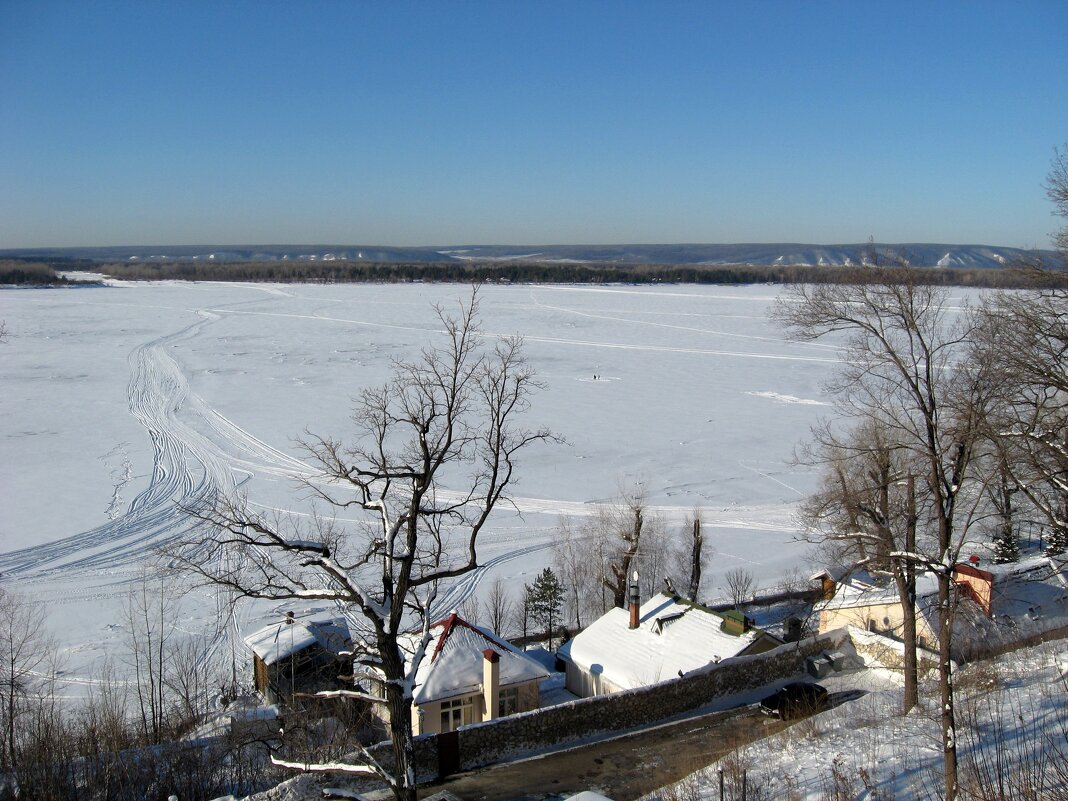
column 635, row 601
column 491, row 683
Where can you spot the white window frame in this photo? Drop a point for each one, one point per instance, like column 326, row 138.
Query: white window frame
column 456, row 712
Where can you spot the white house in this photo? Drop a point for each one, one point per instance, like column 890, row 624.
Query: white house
column 998, row 606
column 666, row 637
column 468, row 675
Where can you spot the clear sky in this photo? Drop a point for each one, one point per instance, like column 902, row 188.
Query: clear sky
column 397, row 123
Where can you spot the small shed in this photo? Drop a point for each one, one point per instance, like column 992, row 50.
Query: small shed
column 299, row 655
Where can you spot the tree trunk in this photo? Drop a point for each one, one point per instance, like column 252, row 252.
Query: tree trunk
column 906, row 593
column 906, row 589
column 621, row 572
column 695, row 560
column 400, row 734
column 945, row 685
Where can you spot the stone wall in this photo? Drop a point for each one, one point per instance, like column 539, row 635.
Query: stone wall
column 887, row 652
column 532, row 732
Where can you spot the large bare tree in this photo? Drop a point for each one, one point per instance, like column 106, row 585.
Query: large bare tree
column 434, row 454
column 905, row 373
column 864, row 510
column 628, row 532
column 1024, row 336
column 1057, row 192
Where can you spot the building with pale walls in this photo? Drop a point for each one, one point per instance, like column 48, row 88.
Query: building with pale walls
column 469, row 675
column 995, row 607
column 666, row 637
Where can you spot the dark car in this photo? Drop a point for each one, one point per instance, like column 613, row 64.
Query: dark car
column 796, row 699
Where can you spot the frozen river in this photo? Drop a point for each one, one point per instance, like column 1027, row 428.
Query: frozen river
column 122, row 403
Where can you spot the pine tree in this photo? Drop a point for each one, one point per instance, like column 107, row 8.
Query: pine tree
column 544, row 598
column 1057, row 542
column 1006, row 547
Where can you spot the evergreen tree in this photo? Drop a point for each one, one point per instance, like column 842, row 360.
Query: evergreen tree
column 1056, row 542
column 1006, row 547
column 544, row 598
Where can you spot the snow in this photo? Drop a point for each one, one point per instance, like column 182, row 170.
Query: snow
column 280, row 640
column 673, row 637
column 126, row 402
column 455, row 664
column 1010, row 716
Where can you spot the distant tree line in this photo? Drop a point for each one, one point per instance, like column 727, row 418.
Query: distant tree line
column 26, row 272
column 342, row 272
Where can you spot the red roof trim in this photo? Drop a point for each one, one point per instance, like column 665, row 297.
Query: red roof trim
column 451, row 622
column 974, row 572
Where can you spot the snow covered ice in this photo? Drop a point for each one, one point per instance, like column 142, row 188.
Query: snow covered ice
column 121, row 404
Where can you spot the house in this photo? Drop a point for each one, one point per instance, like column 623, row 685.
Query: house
column 666, row 637
column 998, row 606
column 299, row 655
column 870, row 602
column 469, row 675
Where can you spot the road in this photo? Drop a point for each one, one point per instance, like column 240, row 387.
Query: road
column 623, row 768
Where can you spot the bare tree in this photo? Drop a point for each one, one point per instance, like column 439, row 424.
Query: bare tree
column 865, row 510
column 687, row 555
column 470, row 608
column 596, row 557
column 435, row 453
column 576, row 558
column 906, row 371
column 1057, row 192
column 25, row 648
column 626, row 534
column 499, row 606
column 740, row 583
column 1023, row 336
column 697, row 556
column 149, row 629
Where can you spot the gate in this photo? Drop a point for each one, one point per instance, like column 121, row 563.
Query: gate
column 448, row 753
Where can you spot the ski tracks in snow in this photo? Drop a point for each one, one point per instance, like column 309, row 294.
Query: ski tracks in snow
column 197, row 452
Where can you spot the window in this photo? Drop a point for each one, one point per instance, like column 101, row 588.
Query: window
column 508, row 703
column 456, row 713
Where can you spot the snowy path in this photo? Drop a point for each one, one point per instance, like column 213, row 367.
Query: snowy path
column 189, row 470
column 185, row 472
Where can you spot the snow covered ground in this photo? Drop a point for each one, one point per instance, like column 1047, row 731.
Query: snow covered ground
column 122, row 402
column 1012, row 727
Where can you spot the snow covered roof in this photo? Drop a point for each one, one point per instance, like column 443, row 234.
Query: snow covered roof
column 1028, row 597
column 861, row 589
column 279, row 640
column 673, row 635
column 453, row 665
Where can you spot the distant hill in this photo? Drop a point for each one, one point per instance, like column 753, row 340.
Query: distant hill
column 776, row 254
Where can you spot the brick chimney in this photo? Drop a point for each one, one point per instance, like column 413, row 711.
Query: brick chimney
column 491, row 683
column 635, row 601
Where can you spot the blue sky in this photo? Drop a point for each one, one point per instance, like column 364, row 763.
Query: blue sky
column 529, row 123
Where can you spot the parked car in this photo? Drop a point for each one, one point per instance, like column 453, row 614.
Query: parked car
column 796, row 699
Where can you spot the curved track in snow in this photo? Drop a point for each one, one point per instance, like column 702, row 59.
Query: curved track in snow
column 188, row 470
column 198, row 455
